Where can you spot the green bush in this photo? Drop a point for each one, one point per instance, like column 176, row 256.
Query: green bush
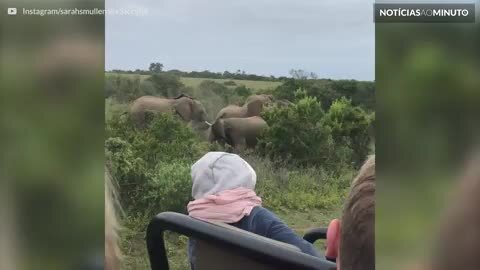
column 126, row 88
column 350, row 125
column 123, row 88
column 243, row 91
column 167, row 138
column 152, row 165
column 113, row 108
column 302, row 134
column 327, row 91
column 170, row 187
column 167, row 85
column 296, row 135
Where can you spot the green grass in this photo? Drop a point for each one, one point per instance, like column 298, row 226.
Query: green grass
column 142, row 77
column 135, row 253
column 194, row 82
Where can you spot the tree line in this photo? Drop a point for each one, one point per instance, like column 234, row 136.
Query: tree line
column 157, row 68
column 168, row 84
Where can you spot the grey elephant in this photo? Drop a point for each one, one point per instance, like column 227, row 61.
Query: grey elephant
column 237, row 132
column 253, row 107
column 189, row 109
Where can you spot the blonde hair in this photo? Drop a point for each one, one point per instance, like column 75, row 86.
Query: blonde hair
column 112, row 250
column 357, row 237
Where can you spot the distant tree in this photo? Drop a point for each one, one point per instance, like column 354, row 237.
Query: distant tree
column 227, row 75
column 299, row 74
column 155, row 67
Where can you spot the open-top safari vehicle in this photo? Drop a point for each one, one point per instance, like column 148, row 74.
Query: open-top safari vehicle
column 221, row 246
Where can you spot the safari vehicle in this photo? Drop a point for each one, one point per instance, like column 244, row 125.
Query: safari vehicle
column 221, row 246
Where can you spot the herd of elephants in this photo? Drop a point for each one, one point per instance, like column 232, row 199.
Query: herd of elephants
column 238, row 126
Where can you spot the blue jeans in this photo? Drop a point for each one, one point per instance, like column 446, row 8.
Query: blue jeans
column 263, row 222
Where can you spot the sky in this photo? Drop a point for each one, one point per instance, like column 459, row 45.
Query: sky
column 334, row 39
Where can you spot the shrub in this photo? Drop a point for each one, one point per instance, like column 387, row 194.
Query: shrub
column 166, row 138
column 350, row 125
column 123, row 88
column 287, row 89
column 243, row 91
column 296, row 135
column 169, row 189
column 166, row 85
column 113, row 108
column 327, row 91
column 152, row 165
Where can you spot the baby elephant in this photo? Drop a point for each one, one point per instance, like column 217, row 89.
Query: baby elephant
column 238, row 132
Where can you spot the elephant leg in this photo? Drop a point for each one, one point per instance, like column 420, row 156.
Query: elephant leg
column 251, row 142
column 229, row 138
column 238, row 142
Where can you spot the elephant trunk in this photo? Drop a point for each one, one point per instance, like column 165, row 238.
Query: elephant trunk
column 217, row 131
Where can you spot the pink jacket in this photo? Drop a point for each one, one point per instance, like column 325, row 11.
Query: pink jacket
column 228, row 206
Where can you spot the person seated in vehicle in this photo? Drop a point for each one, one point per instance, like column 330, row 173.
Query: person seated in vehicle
column 224, row 191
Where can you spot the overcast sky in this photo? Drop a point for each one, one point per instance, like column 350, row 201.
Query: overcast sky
column 332, row 38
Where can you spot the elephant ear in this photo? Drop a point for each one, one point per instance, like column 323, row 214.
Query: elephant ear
column 198, row 111
column 184, row 107
column 254, row 107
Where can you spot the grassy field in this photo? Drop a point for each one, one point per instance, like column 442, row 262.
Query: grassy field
column 136, row 257
column 142, row 77
column 255, row 85
column 194, row 82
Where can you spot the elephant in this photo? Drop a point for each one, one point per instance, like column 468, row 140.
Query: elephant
column 189, row 109
column 237, row 132
column 253, row 107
